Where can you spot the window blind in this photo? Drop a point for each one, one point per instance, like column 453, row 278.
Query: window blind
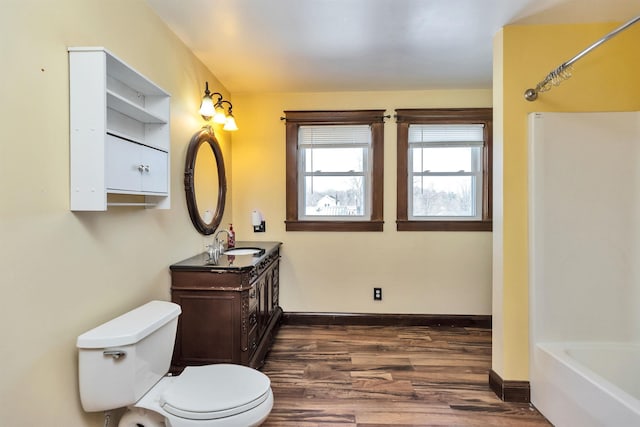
column 447, row 135
column 334, row 135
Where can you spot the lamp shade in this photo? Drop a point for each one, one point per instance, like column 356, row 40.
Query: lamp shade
column 230, row 123
column 219, row 117
column 206, row 107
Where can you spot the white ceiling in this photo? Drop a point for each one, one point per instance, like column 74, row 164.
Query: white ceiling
column 338, row 45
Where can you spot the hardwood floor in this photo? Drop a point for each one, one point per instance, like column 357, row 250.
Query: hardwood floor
column 374, row 376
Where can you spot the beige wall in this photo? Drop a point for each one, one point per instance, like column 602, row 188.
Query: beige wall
column 419, row 272
column 63, row 273
column 605, row 80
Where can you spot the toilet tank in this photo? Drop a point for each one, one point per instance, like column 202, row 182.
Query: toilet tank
column 120, row 360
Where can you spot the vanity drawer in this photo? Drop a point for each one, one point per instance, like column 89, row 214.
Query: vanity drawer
column 214, row 279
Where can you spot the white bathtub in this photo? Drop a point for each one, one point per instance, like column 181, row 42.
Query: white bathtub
column 587, row 384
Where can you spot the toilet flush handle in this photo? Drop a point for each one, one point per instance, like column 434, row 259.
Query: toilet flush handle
column 116, row 354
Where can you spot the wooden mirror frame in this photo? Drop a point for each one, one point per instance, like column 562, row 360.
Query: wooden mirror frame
column 204, row 136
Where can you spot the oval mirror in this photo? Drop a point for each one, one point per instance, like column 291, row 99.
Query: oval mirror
column 205, row 182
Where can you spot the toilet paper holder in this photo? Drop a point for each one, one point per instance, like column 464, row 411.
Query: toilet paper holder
column 258, row 222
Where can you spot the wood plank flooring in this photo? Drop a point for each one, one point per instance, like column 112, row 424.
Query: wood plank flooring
column 374, row 376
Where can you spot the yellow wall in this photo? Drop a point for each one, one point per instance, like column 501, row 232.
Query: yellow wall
column 608, row 79
column 419, row 272
column 63, row 273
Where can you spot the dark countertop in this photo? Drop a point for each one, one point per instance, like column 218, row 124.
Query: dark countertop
column 201, row 261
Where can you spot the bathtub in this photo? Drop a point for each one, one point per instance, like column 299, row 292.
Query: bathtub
column 587, row 384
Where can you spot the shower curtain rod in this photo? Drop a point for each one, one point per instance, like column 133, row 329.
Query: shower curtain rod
column 563, row 72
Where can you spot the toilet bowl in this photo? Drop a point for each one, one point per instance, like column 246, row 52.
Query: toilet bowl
column 124, row 362
column 206, row 396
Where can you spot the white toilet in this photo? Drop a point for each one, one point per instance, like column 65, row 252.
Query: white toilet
column 124, row 362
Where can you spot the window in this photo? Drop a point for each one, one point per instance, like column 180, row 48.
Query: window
column 444, row 170
column 334, row 170
column 334, row 174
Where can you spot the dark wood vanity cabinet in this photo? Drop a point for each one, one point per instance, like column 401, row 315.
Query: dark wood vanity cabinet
column 230, row 312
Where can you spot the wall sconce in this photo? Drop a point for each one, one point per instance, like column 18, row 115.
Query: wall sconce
column 210, row 109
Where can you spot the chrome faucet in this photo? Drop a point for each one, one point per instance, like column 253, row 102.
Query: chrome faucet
column 219, row 242
column 213, row 252
column 216, row 249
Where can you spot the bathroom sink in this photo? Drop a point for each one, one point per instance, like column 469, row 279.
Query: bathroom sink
column 244, row 251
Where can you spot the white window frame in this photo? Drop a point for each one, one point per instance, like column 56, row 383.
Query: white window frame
column 303, row 174
column 448, row 142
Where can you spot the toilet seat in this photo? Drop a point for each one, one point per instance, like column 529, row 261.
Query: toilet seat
column 215, row 391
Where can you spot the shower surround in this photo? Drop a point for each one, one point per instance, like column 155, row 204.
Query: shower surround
column 584, row 267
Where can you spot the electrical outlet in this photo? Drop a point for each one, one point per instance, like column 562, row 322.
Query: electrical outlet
column 377, row 294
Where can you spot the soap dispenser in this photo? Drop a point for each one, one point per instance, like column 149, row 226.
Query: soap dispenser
column 232, row 237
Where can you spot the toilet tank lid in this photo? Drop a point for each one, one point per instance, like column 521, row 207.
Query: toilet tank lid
column 130, row 327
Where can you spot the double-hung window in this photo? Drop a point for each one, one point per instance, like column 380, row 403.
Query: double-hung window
column 334, row 170
column 335, row 173
column 444, row 169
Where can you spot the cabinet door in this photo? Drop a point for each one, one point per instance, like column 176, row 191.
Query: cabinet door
column 133, row 167
column 123, row 165
column 208, row 328
column 154, row 175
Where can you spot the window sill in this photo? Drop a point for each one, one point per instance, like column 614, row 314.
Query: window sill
column 334, row 225
column 405, row 225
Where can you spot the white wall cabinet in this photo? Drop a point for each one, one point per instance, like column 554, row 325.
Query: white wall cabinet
column 119, row 124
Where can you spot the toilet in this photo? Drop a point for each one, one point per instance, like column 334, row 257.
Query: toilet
column 125, row 362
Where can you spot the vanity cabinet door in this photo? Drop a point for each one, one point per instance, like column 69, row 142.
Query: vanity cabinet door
column 208, row 328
